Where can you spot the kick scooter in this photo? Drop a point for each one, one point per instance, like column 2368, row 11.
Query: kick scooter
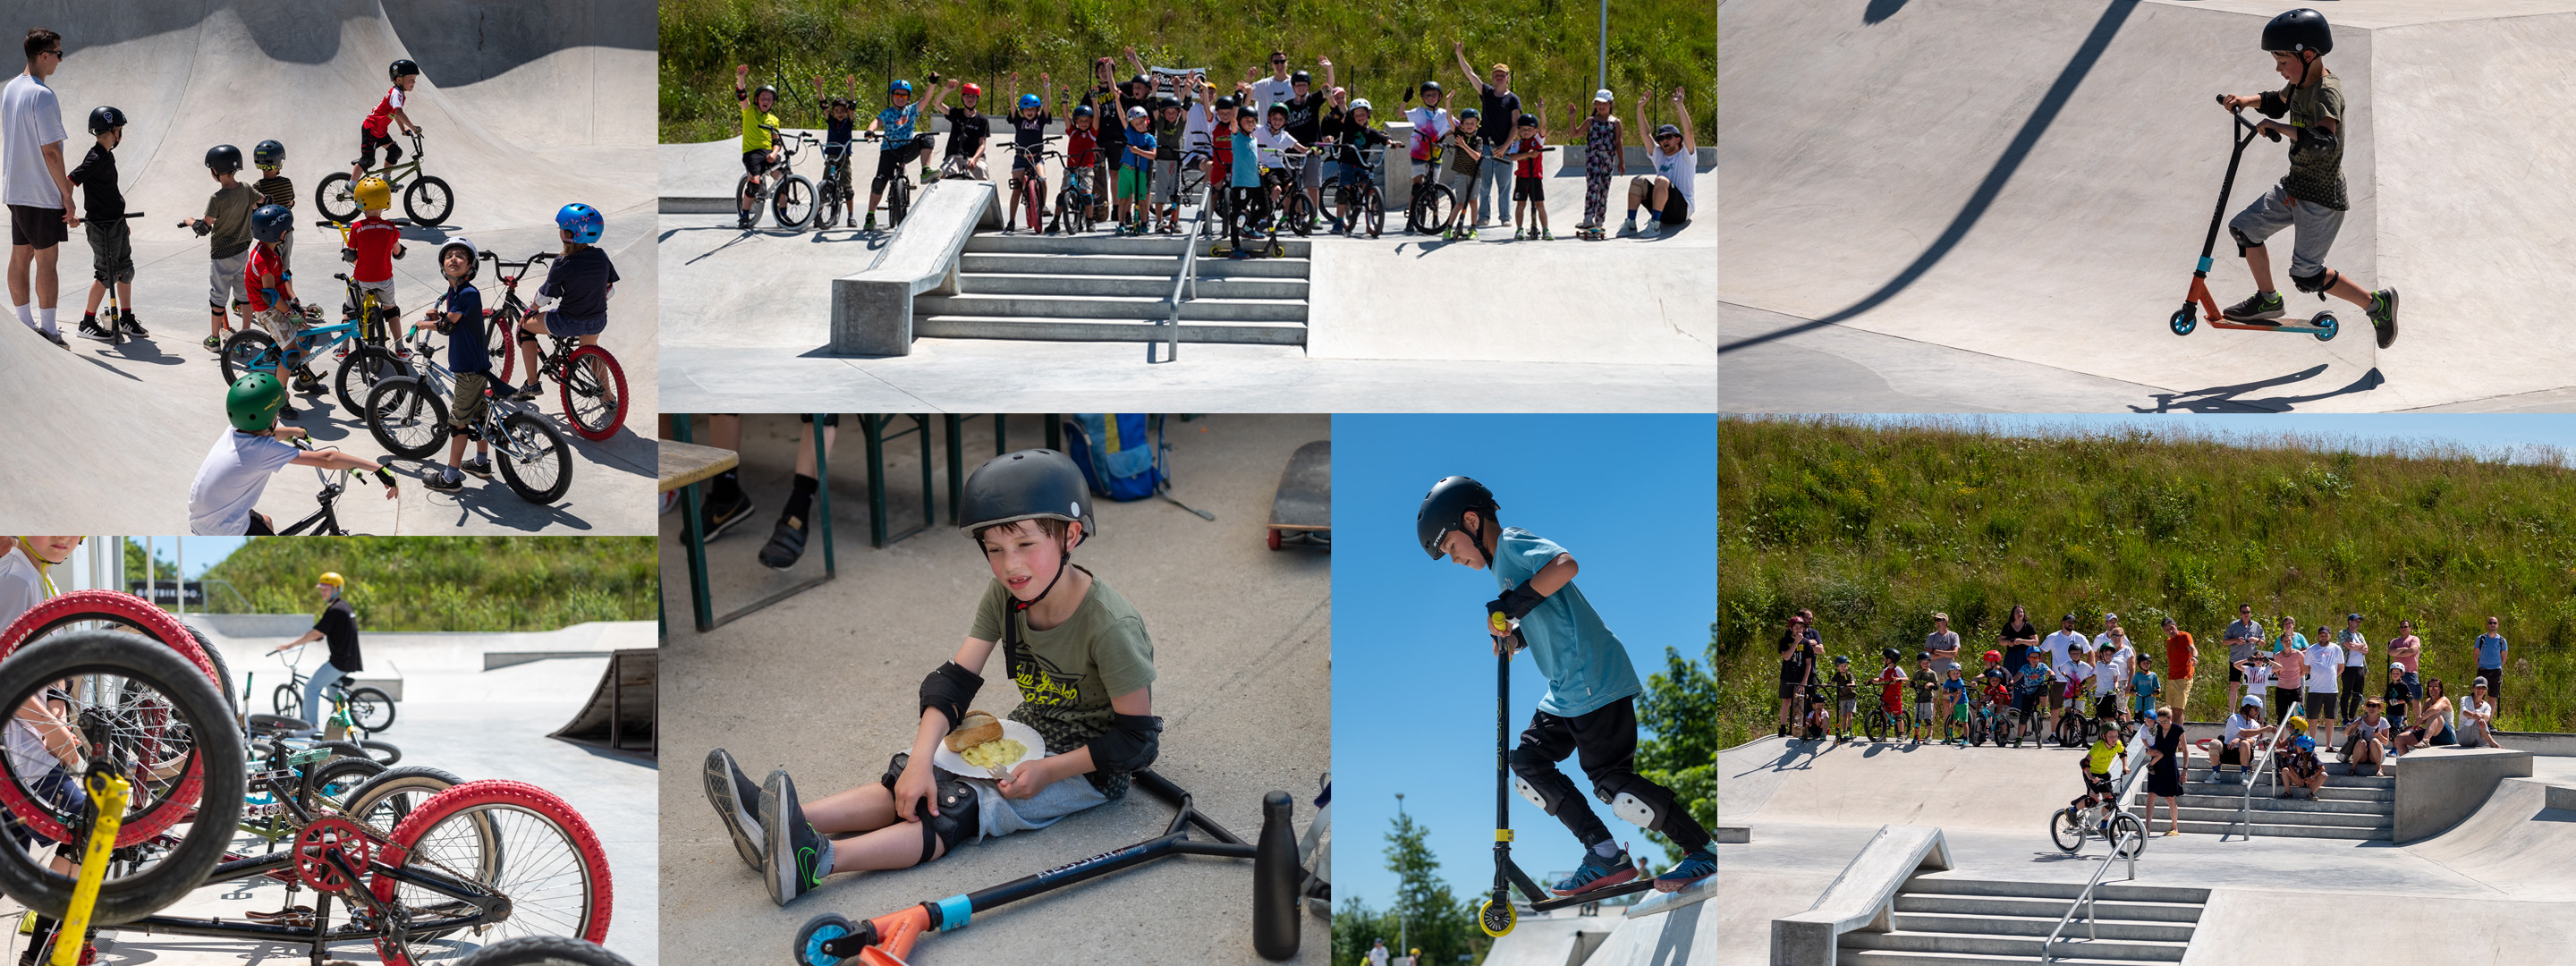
column 1496, row 915
column 2323, row 326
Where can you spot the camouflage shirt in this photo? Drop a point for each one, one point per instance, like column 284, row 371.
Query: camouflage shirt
column 2316, row 163
column 1066, row 674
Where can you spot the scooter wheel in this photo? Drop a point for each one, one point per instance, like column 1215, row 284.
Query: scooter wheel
column 2183, row 320
column 816, row 931
column 1496, row 921
column 2326, row 326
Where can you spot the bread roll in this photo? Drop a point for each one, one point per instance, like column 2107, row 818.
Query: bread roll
column 978, row 728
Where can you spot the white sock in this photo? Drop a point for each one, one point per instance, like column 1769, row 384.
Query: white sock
column 47, row 316
column 27, row 315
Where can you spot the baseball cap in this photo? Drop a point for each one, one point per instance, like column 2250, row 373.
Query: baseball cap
column 1601, row 95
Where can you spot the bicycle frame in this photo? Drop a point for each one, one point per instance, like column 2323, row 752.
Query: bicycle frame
column 440, row 379
column 409, row 168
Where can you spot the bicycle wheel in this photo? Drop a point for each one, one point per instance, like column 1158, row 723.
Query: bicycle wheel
column 384, row 801
column 1874, row 724
column 501, row 341
column 406, row 418
column 898, row 201
column 335, row 199
column 544, row 951
column 1432, row 209
column 827, row 203
column 247, row 351
column 794, row 202
column 382, row 752
column 2066, row 828
column 2128, row 835
column 533, row 462
column 428, row 201
column 513, row 838
column 1372, row 207
column 361, row 371
column 1976, row 730
column 146, row 708
column 594, row 393
column 1301, row 212
column 371, row 708
column 747, row 186
column 288, row 701
column 329, row 785
column 119, row 609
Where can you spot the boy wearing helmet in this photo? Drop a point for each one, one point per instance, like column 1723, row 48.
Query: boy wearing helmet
column 1352, row 130
column 2300, row 767
column 1528, row 155
column 1082, row 152
column 1306, row 124
column 1133, row 170
column 1165, row 187
column 226, row 228
column 1082, row 666
column 1667, row 192
column 2310, row 197
column 270, row 292
column 237, row 468
column 111, row 243
column 759, row 145
column 374, row 243
column 1590, row 709
column 459, row 316
column 1029, row 120
column 900, row 145
column 580, row 280
column 967, row 129
column 840, row 123
column 275, row 189
column 1465, row 148
column 1430, row 126
column 373, row 133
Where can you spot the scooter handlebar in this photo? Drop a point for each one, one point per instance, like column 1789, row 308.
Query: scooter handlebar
column 2248, row 125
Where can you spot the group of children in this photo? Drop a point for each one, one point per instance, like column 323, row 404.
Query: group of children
column 2117, row 687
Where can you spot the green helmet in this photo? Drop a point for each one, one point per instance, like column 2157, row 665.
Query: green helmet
column 253, row 401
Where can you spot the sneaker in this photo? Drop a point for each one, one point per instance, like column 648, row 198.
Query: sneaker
column 126, row 322
column 215, row 342
column 734, row 796
column 1546, row 235
column 480, row 466
column 89, row 329
column 872, row 222
column 1693, row 867
column 792, row 863
column 1627, row 228
column 2256, row 307
column 54, row 337
column 307, row 384
column 716, row 517
column 2383, row 315
column 1596, row 872
column 670, row 500
column 786, row 544
column 447, row 480
column 526, row 392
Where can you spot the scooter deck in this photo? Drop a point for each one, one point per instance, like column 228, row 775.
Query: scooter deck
column 2297, row 326
column 1696, row 893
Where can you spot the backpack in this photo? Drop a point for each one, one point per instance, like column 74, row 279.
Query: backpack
column 1115, row 457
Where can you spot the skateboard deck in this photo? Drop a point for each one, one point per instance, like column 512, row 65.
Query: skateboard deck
column 1303, row 510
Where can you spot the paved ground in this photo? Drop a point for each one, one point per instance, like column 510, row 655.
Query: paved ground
column 1994, row 244
column 474, row 724
column 192, row 75
column 825, row 685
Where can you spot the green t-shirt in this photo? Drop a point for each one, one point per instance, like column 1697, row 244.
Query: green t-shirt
column 1924, row 685
column 229, row 209
column 755, row 137
column 2316, row 172
column 1071, row 670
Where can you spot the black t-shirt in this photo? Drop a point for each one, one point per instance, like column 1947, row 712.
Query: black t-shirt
column 1344, row 130
column 2017, row 643
column 966, row 130
column 1499, row 109
column 339, row 626
column 100, row 199
column 1796, row 660
column 1030, row 132
column 1306, row 116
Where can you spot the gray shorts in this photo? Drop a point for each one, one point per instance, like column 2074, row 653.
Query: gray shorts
column 996, row 815
column 224, row 281
column 2316, row 225
column 1456, row 181
column 111, row 250
column 1167, row 181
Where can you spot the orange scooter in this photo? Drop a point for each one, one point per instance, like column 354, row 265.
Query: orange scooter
column 2323, row 326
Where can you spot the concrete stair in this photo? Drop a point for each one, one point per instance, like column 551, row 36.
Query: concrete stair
column 1973, row 922
column 1100, row 287
column 2361, row 809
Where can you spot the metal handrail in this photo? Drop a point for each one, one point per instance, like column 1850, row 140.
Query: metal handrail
column 2245, row 810
column 1188, row 276
column 2084, row 899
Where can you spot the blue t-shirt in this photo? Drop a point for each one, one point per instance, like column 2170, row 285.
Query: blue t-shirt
column 1247, row 169
column 2034, row 678
column 1586, row 666
column 466, row 351
column 898, row 122
column 582, row 283
column 2490, row 651
column 1138, row 141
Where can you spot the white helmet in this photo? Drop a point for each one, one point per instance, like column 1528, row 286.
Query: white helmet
column 473, row 255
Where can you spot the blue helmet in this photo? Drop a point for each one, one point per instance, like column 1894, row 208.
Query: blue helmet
column 583, row 221
column 903, row 87
column 1028, row 101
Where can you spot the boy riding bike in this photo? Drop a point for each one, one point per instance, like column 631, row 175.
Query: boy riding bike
column 2096, row 767
column 373, row 133
column 1028, row 133
column 759, row 147
column 900, row 147
column 2030, row 687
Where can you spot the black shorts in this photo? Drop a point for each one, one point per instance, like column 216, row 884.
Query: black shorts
column 1676, row 211
column 369, row 141
column 2106, row 705
column 2026, row 702
column 2235, row 755
column 755, row 162
column 2494, row 675
column 1789, row 688
column 1527, row 188
column 2235, row 675
column 259, row 527
column 890, row 163
column 37, row 228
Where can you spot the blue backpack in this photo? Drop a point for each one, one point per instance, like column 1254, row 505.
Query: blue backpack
column 1114, row 454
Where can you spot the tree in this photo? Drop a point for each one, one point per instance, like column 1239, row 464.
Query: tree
column 1426, row 914
column 1679, row 711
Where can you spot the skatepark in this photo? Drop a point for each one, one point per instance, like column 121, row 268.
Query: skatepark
column 851, row 319
column 1998, row 205
column 523, row 110
column 1894, row 853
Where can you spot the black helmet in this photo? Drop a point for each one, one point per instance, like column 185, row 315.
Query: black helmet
column 1225, row 103
column 401, row 67
column 105, row 119
column 2297, row 30
column 271, row 222
column 1431, row 87
column 1026, row 485
column 1301, row 77
column 1444, row 509
column 1144, row 79
column 223, row 158
column 1470, row 114
column 1165, row 102
column 1922, row 655
column 267, row 153
column 1888, row 653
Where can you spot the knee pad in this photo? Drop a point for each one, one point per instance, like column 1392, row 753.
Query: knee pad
column 2319, row 282
column 527, row 336
column 894, row 769
column 2243, row 244
column 1637, row 801
column 1537, row 779
column 956, row 821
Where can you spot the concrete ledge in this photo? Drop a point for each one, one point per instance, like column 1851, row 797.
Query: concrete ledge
column 872, row 310
column 2559, row 797
column 697, row 206
column 2436, row 788
column 1734, row 834
column 252, row 625
column 1862, row 897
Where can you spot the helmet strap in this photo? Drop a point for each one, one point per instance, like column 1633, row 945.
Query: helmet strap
column 1014, row 649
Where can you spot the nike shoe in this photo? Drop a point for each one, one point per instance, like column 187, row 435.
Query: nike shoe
column 2383, row 315
column 715, row 518
column 2256, row 307
column 793, row 862
column 734, row 796
column 1693, row 867
column 1597, row 872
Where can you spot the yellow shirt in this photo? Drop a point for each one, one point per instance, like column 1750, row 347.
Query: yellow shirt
column 2098, row 760
column 754, row 136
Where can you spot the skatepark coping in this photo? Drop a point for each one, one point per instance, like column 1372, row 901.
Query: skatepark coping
column 1864, row 895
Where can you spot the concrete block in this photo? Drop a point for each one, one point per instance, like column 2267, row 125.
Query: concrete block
column 2560, row 797
column 2438, row 787
column 1734, row 834
column 871, row 317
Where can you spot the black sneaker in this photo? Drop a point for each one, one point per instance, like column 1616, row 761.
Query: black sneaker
column 54, row 337
column 480, row 466
column 734, row 796
column 718, row 516
column 2383, row 316
column 786, row 544
column 2256, row 307
column 527, row 392
column 445, row 480
column 125, row 320
column 792, row 863
column 89, row 329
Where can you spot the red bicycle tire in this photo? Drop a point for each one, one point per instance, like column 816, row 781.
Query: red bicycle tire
column 617, row 376
column 160, row 626
column 491, row 791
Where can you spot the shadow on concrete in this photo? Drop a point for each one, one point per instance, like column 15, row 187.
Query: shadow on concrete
column 2228, row 399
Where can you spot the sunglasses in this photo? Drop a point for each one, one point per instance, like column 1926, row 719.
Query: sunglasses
column 57, row 52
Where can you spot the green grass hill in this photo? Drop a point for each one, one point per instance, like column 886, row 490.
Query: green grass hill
column 1875, row 525
column 453, row 583
column 1377, row 48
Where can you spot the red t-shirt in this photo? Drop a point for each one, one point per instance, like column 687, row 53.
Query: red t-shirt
column 2178, row 660
column 1081, row 148
column 1528, row 167
column 264, row 262
column 1223, row 135
column 374, row 238
column 1892, row 689
column 384, row 113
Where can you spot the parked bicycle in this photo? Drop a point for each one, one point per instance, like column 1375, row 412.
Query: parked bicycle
column 408, row 417
column 898, row 189
column 1431, row 208
column 426, row 199
column 356, row 341
column 1031, row 186
column 788, row 195
column 587, row 378
column 834, row 198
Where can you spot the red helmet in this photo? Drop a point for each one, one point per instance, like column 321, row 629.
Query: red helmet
column 1995, row 656
column 970, row 89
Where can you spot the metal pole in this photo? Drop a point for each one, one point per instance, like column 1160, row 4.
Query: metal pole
column 1400, row 922
column 151, row 591
column 1601, row 76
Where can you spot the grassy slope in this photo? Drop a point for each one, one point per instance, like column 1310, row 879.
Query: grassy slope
column 1378, row 48
column 455, row 583
column 1876, row 526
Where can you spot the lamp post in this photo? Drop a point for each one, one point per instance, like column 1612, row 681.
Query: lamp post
column 1601, row 77
column 1401, row 941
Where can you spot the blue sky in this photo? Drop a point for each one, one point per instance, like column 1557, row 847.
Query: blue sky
column 2491, row 432
column 1633, row 498
column 202, row 552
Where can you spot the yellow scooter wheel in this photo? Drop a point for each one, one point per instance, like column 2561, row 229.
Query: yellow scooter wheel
column 1496, row 921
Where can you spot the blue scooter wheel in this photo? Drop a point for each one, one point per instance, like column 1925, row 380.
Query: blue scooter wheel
column 2326, row 326
column 2183, row 320
column 816, row 931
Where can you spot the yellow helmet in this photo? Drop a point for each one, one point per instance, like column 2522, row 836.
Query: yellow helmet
column 373, row 193
column 332, row 578
column 2297, row 723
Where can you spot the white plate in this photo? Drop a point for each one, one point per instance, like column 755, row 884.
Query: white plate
column 956, row 764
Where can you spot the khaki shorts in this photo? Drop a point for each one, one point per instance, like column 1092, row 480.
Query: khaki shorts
column 466, row 410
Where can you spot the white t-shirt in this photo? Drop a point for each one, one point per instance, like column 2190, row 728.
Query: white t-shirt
column 1268, row 91
column 2078, row 672
column 1268, row 143
column 2107, row 676
column 2325, row 666
column 2061, row 647
column 22, row 586
column 1430, row 124
column 1197, row 124
column 2258, row 676
column 229, row 482
column 1377, row 956
column 29, row 120
column 2356, row 649
column 2238, row 724
column 1679, row 168
column 2368, row 730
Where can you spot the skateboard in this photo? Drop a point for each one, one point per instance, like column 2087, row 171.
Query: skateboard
column 1589, row 234
column 1303, row 511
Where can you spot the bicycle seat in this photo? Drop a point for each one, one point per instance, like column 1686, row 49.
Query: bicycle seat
column 277, row 726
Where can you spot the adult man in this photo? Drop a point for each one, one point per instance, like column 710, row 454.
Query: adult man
column 2238, row 741
column 35, row 185
column 1667, row 193
column 1800, row 646
column 2405, row 650
column 1502, row 110
column 1377, row 954
column 2325, row 686
column 2490, row 649
column 1274, row 89
column 2356, row 667
column 1943, row 645
column 2244, row 634
column 2182, row 660
column 2061, row 648
column 339, row 625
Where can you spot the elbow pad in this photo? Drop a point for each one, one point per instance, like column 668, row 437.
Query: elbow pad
column 1131, row 743
column 2274, row 104
column 949, row 690
column 1516, row 603
column 2316, row 140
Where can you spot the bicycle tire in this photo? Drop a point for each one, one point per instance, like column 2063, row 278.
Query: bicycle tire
column 406, row 418
column 1300, row 211
column 330, row 785
column 898, row 201
column 827, row 203
column 417, row 839
column 747, row 186
column 359, row 373
column 336, row 198
column 579, row 382
column 287, row 702
column 1433, row 209
column 2126, row 827
column 1874, row 724
column 545, row 447
column 247, row 351
column 223, row 672
column 213, row 784
column 365, row 702
column 1976, row 727
column 501, row 341
column 544, row 951
column 429, row 201
column 1372, row 205
column 2066, row 829
column 382, row 752
column 793, row 203
column 384, row 801
column 116, row 607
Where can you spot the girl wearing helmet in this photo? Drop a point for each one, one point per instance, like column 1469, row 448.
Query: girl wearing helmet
column 1073, row 649
column 237, row 468
column 899, row 147
column 2300, row 767
column 459, row 316
column 581, row 279
column 1602, row 135
column 373, row 133
column 967, row 129
column 1430, row 125
column 1029, row 120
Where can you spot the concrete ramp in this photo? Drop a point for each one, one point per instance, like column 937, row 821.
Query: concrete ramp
column 1551, row 940
column 1682, row 937
column 2031, row 180
column 2516, row 843
column 619, row 716
column 2001, row 789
